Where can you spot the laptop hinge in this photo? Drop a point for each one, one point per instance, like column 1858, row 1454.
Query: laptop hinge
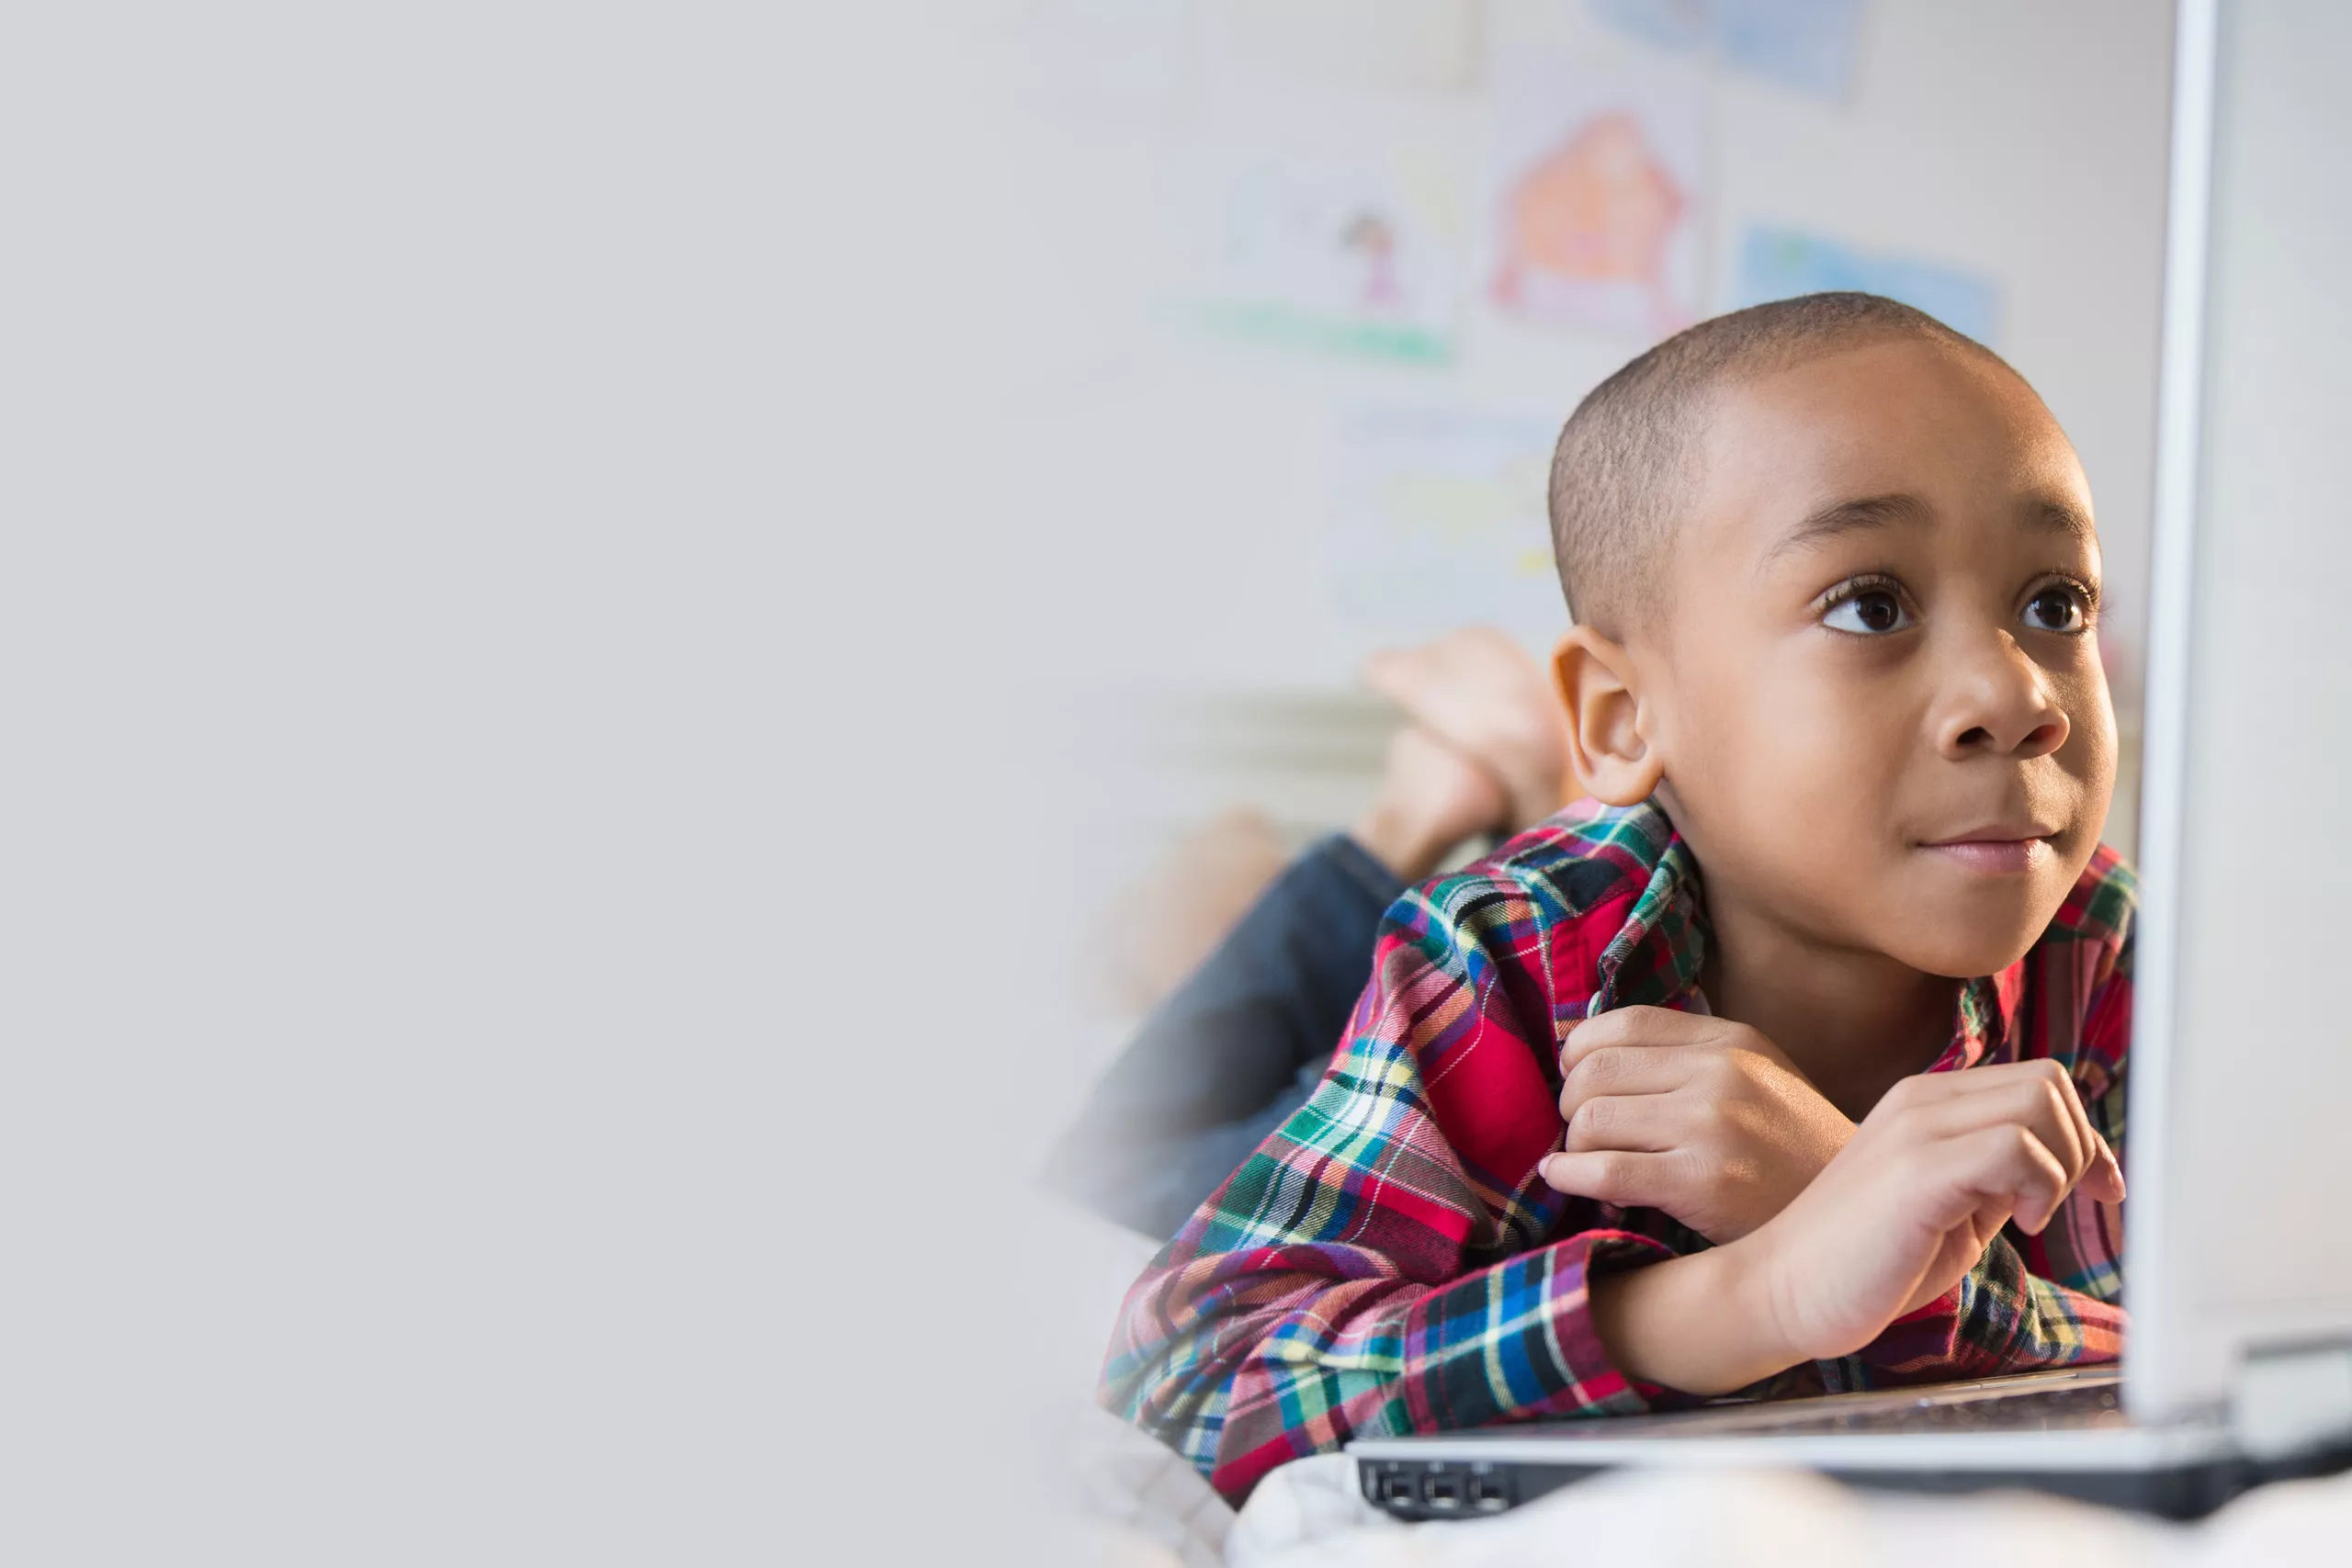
column 2290, row 1400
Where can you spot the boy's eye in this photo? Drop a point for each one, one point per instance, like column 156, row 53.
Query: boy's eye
column 2055, row 609
column 1871, row 613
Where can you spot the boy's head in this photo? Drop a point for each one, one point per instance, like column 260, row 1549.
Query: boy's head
column 1836, row 582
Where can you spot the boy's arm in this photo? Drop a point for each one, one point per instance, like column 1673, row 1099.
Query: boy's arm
column 2028, row 1304
column 1360, row 1273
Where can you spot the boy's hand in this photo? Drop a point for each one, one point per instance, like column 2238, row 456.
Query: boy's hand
column 1902, row 1214
column 1932, row 1174
column 1696, row 1116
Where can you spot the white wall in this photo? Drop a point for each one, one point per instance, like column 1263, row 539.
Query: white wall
column 2020, row 139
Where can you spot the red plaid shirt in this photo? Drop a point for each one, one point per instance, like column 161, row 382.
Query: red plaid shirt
column 1388, row 1260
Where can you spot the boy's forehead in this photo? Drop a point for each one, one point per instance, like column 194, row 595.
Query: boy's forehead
column 1901, row 418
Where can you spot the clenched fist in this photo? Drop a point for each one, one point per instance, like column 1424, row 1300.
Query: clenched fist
column 1937, row 1168
column 1699, row 1117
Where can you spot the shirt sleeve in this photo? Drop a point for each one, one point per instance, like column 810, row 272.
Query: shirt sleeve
column 1359, row 1274
column 2000, row 1318
column 1173, row 1115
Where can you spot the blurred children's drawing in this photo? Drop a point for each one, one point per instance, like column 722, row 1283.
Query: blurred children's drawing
column 1597, row 220
column 1348, row 228
column 1437, row 520
column 1809, row 45
column 1775, row 264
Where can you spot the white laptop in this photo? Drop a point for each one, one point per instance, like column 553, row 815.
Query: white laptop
column 2238, row 1365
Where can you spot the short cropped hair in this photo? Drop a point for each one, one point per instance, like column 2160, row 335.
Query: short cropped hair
column 1622, row 470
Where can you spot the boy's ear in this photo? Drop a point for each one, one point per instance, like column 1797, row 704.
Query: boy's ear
column 1612, row 758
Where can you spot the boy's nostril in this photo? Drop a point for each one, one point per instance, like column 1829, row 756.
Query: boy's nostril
column 1977, row 737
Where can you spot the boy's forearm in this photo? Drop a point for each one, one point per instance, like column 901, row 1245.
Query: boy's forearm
column 1695, row 1323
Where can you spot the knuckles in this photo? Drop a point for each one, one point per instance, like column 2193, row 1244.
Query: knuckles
column 1744, row 1037
column 1907, row 1093
column 1601, row 1067
column 1729, row 1071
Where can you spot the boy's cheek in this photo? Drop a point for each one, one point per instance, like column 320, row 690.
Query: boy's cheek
column 1790, row 793
column 2090, row 752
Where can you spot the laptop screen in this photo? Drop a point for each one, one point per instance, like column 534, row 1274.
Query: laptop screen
column 2243, row 1060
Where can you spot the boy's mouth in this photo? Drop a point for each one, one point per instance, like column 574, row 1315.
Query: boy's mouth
column 2003, row 848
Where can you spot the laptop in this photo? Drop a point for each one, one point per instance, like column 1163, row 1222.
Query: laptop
column 2238, row 1364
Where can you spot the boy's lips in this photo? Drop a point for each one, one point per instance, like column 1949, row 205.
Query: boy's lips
column 2008, row 848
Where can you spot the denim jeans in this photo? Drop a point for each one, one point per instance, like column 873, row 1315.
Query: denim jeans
column 1236, row 1049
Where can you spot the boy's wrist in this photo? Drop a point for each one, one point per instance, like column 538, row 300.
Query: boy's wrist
column 1749, row 1282
column 1703, row 1324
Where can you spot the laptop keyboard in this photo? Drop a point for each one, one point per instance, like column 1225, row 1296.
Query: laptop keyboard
column 2043, row 1410
column 1408, row 1479
column 2069, row 1399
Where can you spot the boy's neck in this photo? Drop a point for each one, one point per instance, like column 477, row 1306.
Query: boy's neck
column 1854, row 1022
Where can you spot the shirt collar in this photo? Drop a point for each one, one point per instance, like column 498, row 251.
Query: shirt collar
column 1655, row 958
column 1986, row 1026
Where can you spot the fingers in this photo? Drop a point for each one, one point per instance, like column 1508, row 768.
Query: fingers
column 2028, row 1102
column 2039, row 1095
column 2065, row 1098
column 1650, row 1122
column 1627, row 1179
column 2012, row 1168
column 1632, row 1051
column 1626, row 1070
column 2028, row 1112
column 2104, row 1182
column 1638, row 1026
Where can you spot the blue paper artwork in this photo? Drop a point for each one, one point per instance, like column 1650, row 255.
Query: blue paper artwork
column 1775, row 264
column 1809, row 45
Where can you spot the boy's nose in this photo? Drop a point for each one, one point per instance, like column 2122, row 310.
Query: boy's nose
column 2002, row 705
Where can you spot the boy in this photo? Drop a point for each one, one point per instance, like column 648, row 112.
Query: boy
column 1793, row 1067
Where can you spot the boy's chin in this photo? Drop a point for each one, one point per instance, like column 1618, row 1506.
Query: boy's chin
column 1961, row 939
column 1958, row 963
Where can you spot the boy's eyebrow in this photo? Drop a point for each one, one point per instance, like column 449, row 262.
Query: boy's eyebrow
column 2050, row 515
column 1849, row 516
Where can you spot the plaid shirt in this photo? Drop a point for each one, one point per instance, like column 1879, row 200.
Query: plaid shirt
column 1390, row 1261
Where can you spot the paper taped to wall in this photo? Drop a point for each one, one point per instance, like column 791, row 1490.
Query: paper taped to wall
column 1340, row 222
column 1809, row 45
column 1776, row 264
column 1597, row 214
column 1437, row 520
